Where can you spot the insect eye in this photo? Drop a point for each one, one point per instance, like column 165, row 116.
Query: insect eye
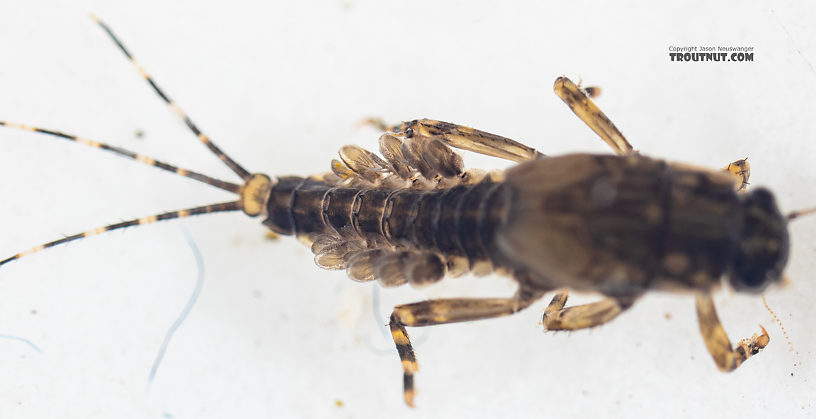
column 762, row 250
column 409, row 133
column 754, row 278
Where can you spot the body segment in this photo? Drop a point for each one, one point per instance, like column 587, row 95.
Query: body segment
column 618, row 225
column 456, row 224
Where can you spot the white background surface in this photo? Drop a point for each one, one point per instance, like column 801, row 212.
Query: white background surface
column 280, row 85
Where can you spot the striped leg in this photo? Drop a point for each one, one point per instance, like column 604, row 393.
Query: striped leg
column 466, row 138
column 462, row 137
column 580, row 102
column 556, row 317
column 725, row 356
column 442, row 311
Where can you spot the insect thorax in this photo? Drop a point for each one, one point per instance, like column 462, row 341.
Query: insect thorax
column 620, row 225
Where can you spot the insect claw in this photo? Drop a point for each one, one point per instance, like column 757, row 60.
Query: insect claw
column 370, row 121
column 785, row 281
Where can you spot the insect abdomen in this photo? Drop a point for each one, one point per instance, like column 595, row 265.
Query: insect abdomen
column 456, row 222
column 279, row 205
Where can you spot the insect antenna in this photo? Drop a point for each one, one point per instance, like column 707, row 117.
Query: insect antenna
column 234, row 166
column 206, row 209
column 796, row 214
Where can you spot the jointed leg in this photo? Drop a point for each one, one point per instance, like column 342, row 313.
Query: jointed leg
column 471, row 139
column 556, row 317
column 381, row 125
column 579, row 101
column 442, row 311
column 462, row 137
column 740, row 169
column 423, row 147
column 726, row 358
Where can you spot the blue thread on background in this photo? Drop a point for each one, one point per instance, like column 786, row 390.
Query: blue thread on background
column 21, row 339
column 184, row 312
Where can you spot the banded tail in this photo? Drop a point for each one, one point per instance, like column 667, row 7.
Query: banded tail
column 251, row 193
